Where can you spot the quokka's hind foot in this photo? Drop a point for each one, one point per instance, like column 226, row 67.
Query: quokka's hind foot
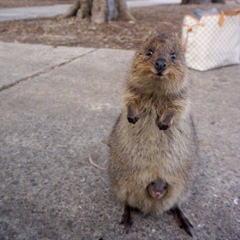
column 126, row 219
column 183, row 220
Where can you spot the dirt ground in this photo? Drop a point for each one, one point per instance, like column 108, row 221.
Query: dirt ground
column 115, row 34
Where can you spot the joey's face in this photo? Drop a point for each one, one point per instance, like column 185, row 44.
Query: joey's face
column 157, row 189
column 160, row 55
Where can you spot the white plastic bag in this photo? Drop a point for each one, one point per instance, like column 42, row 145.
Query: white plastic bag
column 212, row 41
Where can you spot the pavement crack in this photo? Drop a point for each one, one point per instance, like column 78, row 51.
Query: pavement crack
column 28, row 78
column 72, row 59
column 37, row 74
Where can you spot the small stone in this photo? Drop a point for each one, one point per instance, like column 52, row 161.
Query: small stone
column 15, row 182
column 45, row 181
column 34, row 183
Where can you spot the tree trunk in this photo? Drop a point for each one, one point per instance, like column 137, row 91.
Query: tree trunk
column 99, row 11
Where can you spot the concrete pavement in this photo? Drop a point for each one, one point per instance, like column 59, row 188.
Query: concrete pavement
column 8, row 14
column 33, row 60
column 56, row 107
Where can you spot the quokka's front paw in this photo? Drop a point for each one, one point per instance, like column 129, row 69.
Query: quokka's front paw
column 132, row 114
column 165, row 123
column 133, row 119
column 163, row 126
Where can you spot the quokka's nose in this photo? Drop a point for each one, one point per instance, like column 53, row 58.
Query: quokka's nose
column 161, row 65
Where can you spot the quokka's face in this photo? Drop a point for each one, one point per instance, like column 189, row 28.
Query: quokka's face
column 160, row 56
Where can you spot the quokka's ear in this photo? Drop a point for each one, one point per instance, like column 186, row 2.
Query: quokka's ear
column 150, row 34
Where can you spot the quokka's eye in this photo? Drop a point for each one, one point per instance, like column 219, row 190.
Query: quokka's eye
column 149, row 52
column 173, row 55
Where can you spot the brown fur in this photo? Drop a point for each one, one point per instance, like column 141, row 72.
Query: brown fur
column 141, row 152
